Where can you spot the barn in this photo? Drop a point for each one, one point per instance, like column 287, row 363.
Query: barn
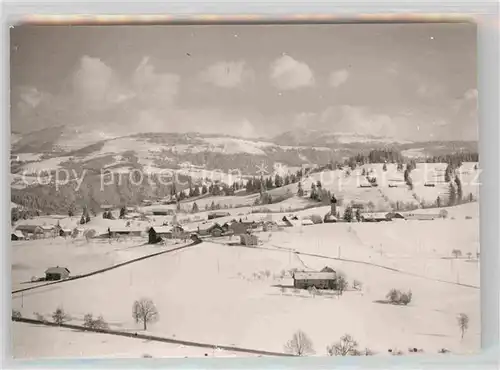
column 56, row 273
column 318, row 280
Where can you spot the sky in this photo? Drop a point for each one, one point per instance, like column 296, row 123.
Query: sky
column 404, row 81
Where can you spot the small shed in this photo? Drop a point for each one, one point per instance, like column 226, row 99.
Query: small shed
column 249, row 239
column 318, row 280
column 16, row 235
column 56, row 273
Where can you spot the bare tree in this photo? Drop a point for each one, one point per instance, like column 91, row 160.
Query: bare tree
column 469, row 255
column 463, row 323
column 91, row 323
column 299, row 345
column 145, row 311
column 347, row 346
column 341, row 283
column 59, row 316
column 456, row 253
column 16, row 314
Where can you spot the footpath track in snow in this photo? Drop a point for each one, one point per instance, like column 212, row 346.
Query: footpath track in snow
column 154, row 338
column 108, row 268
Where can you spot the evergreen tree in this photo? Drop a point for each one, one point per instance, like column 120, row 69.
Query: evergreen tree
column 212, row 206
column 438, row 202
column 278, row 181
column 287, row 180
column 452, row 195
column 196, row 191
column 191, row 192
column 300, row 191
column 178, row 208
column 204, row 189
column 195, row 208
column 71, row 210
column 358, row 215
column 459, row 189
column 348, row 214
column 123, row 212
column 384, row 167
column 313, row 191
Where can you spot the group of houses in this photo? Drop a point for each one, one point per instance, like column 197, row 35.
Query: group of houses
column 34, row 231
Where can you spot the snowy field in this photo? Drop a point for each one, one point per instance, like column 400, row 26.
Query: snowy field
column 230, row 295
column 31, row 343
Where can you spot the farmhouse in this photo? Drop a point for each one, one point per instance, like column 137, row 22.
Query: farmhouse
column 56, row 273
column 329, row 218
column 16, row 235
column 211, row 230
column 163, row 212
column 249, row 239
column 32, row 231
column 106, row 207
column 114, row 232
column 213, row 215
column 374, row 217
column 319, row 280
column 395, row 215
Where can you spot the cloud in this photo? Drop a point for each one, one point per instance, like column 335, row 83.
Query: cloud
column 154, row 87
column 227, row 74
column 288, row 73
column 339, row 77
column 93, row 80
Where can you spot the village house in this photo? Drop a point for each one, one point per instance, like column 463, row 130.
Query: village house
column 56, row 273
column 395, row 215
column 211, row 230
column 49, row 231
column 163, row 212
column 16, row 235
column 115, row 232
column 249, row 239
column 218, row 214
column 31, row 231
column 421, row 216
column 307, row 222
column 65, row 232
column 374, row 217
column 107, row 207
column 329, row 218
column 318, row 280
column 270, row 226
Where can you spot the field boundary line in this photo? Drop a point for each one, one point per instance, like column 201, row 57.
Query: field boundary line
column 151, row 337
column 121, row 264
